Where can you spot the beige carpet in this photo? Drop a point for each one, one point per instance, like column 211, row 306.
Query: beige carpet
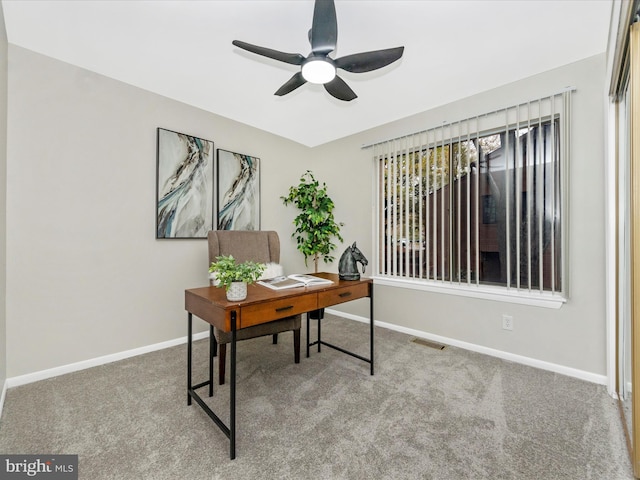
column 426, row 414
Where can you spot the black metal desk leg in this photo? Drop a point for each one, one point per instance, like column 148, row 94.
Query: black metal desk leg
column 371, row 325
column 319, row 336
column 308, row 339
column 212, row 347
column 189, row 341
column 232, row 400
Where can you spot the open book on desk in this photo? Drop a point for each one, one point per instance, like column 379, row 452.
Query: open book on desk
column 293, row 281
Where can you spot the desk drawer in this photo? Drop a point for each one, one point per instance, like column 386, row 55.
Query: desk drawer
column 343, row 294
column 273, row 310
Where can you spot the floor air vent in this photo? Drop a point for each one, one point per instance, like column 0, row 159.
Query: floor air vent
column 428, row 343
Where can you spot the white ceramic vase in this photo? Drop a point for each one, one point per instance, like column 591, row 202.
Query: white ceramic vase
column 237, row 291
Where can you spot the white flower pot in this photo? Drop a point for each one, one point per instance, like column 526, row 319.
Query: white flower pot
column 237, row 291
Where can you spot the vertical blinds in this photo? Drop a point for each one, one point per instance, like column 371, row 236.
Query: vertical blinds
column 444, row 193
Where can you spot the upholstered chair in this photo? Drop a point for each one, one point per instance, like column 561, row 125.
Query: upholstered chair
column 258, row 246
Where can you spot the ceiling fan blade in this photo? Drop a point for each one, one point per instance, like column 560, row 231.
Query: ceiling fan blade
column 292, row 58
column 324, row 30
column 339, row 89
column 368, row 61
column 294, row 82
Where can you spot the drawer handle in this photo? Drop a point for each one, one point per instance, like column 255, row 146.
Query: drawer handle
column 282, row 309
column 345, row 294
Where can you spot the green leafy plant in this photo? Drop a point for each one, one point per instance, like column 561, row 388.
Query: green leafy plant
column 315, row 225
column 228, row 271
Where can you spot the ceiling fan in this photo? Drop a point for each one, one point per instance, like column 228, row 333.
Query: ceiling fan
column 318, row 66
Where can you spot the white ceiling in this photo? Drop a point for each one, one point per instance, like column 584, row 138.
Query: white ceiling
column 182, row 50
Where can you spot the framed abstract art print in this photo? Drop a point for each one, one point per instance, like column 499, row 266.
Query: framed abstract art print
column 238, row 191
column 184, row 186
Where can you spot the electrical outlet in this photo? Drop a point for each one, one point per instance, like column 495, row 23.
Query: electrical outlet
column 507, row 322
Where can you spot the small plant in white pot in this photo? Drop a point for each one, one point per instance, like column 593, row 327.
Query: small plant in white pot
column 235, row 277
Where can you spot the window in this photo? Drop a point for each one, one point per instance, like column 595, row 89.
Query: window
column 475, row 204
column 488, row 209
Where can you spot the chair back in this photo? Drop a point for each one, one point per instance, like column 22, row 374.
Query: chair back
column 257, row 246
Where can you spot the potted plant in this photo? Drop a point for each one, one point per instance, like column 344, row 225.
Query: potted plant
column 235, row 277
column 316, row 227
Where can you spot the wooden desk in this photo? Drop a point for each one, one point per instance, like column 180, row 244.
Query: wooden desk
column 262, row 305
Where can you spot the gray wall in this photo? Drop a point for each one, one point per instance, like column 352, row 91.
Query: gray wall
column 3, row 198
column 86, row 277
column 573, row 336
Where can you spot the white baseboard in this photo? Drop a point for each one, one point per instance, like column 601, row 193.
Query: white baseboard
column 531, row 362
column 94, row 362
column 3, row 395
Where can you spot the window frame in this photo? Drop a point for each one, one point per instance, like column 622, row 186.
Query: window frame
column 559, row 109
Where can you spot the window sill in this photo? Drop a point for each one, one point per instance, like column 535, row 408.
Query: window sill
column 499, row 294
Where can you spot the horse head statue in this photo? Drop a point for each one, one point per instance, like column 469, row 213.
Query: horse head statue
column 348, row 265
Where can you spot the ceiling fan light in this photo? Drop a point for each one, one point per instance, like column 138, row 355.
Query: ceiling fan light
column 318, row 71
